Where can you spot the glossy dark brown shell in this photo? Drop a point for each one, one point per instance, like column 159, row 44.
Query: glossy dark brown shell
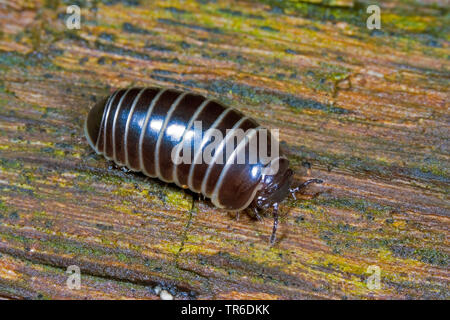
column 139, row 127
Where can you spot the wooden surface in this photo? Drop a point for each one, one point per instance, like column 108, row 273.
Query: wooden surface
column 368, row 110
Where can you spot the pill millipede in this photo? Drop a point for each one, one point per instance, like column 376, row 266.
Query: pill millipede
column 146, row 129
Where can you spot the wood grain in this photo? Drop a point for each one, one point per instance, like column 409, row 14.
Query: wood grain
column 366, row 111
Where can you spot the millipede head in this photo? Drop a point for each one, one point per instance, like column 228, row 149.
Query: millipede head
column 275, row 188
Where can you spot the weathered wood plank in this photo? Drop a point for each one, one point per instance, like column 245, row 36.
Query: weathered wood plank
column 367, row 109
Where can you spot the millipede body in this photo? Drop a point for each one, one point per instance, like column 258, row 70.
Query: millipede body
column 148, row 129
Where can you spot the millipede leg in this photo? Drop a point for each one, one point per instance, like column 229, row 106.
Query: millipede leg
column 195, row 197
column 256, row 213
column 275, row 223
column 303, row 185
